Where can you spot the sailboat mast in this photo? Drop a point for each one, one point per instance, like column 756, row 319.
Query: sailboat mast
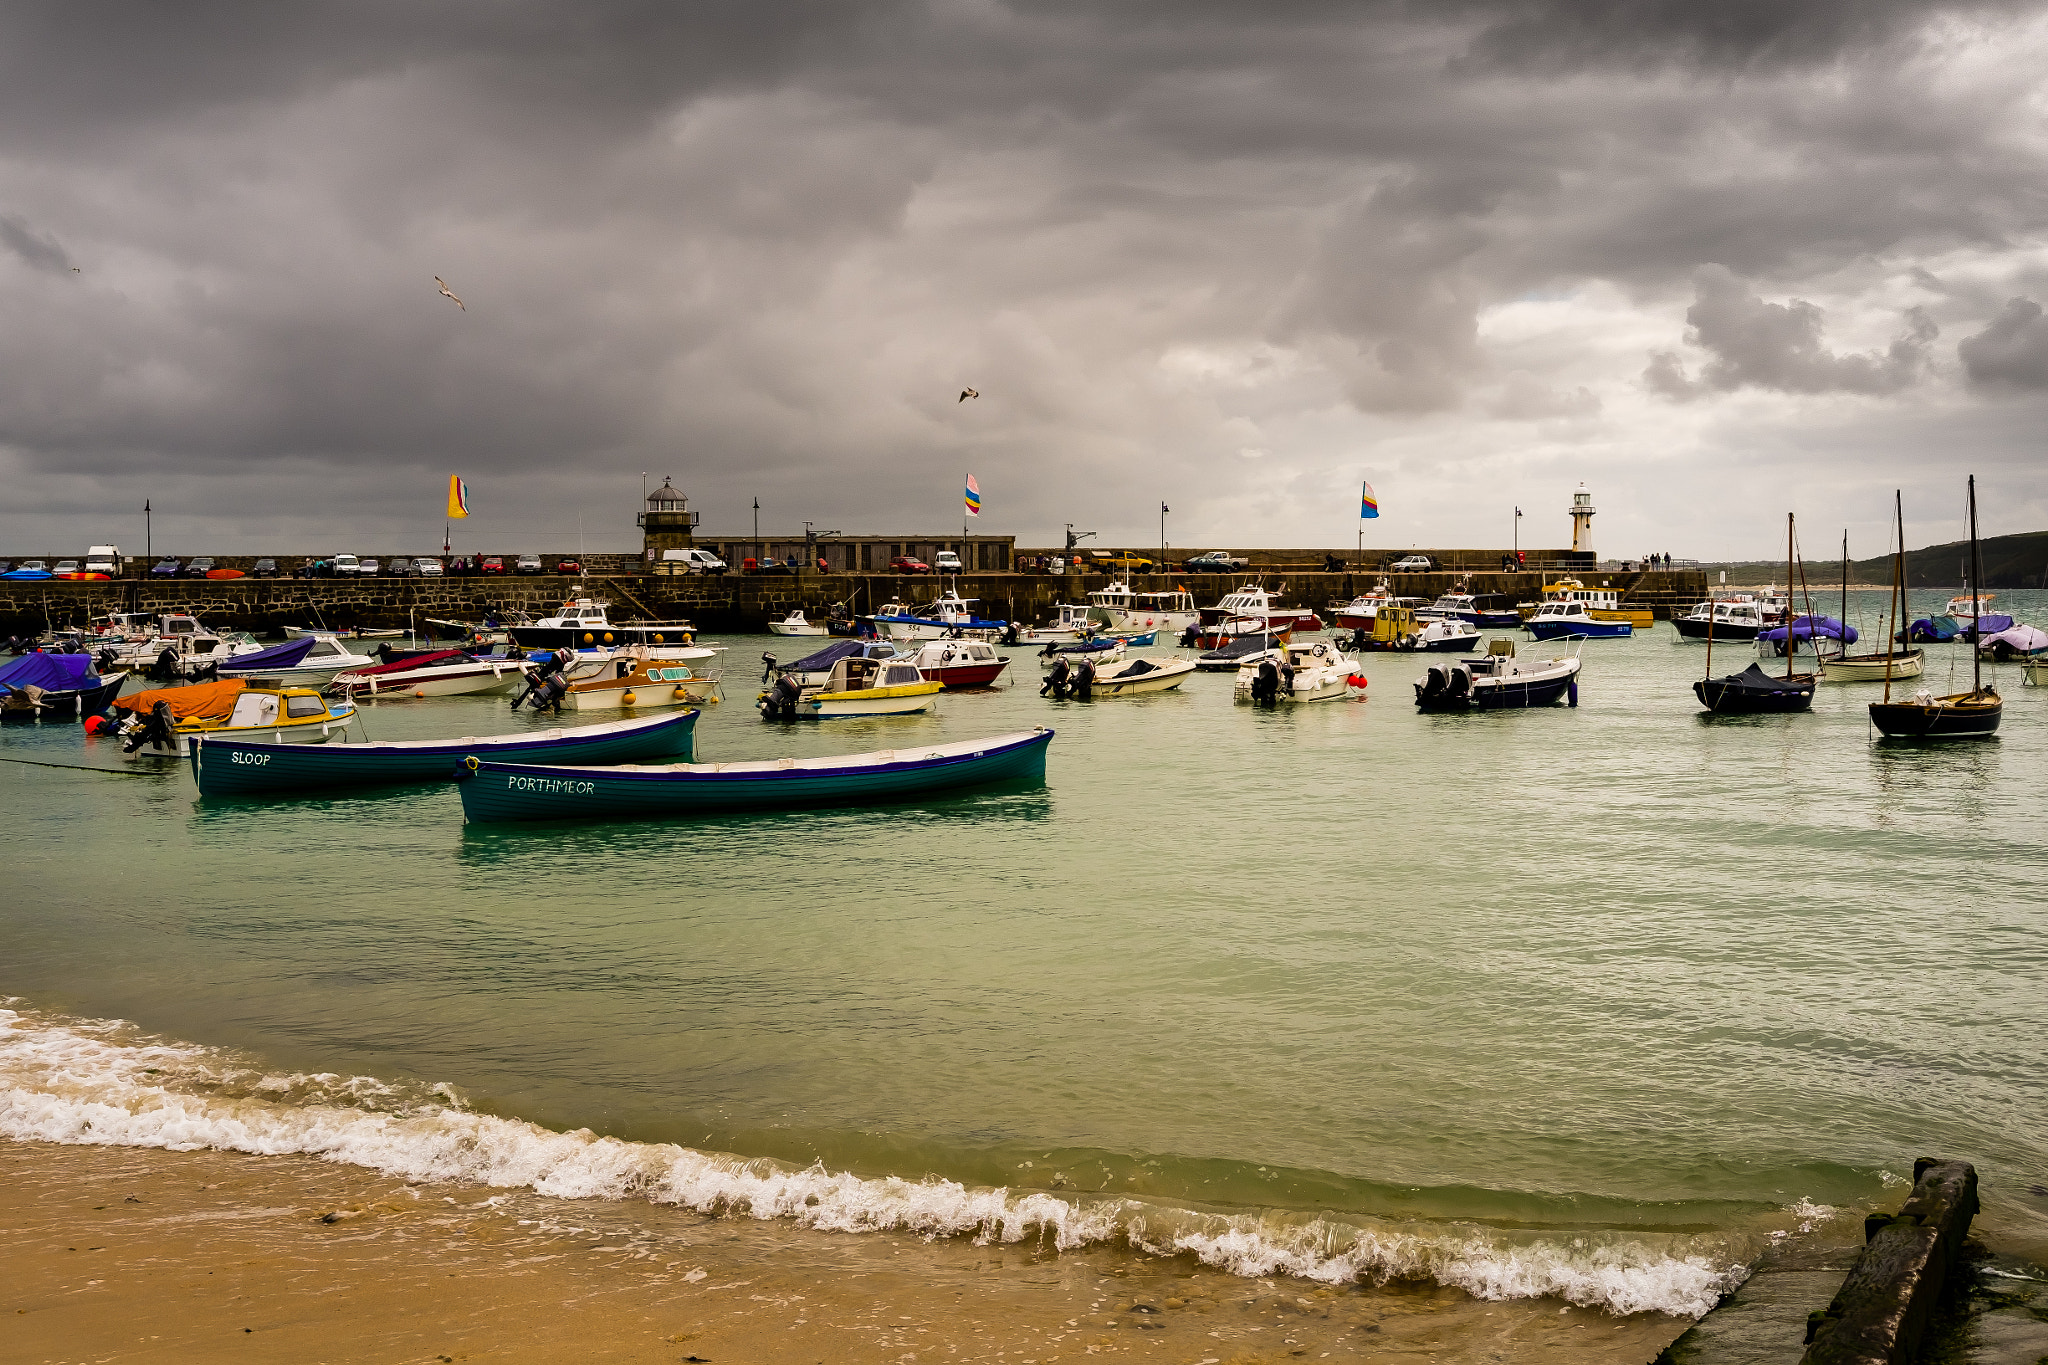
column 1892, row 613
column 1789, row 647
column 1844, row 641
column 1976, row 576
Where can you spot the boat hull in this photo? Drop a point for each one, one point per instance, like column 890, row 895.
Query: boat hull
column 785, row 628
column 643, row 697
column 1963, row 716
column 1693, row 629
column 72, row 705
column 590, row 637
column 498, row 792
column 965, row 675
column 227, row 766
column 1742, row 695
column 1164, row 676
column 1591, row 630
column 469, row 681
column 1873, row 667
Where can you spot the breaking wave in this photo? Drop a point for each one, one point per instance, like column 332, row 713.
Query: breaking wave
column 96, row 1082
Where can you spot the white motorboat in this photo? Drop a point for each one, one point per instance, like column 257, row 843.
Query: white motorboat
column 960, row 663
column 1302, row 672
column 1737, row 617
column 1255, row 602
column 857, row 687
column 323, row 657
column 1097, row 652
column 1965, row 609
column 796, row 624
column 641, row 684
column 1071, row 621
column 1143, row 673
column 582, row 623
column 450, row 673
column 1564, row 619
column 1497, row 681
column 950, row 617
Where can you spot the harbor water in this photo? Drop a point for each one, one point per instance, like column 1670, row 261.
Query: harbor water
column 1589, row 1005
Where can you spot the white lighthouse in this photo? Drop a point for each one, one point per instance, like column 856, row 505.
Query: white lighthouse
column 1582, row 519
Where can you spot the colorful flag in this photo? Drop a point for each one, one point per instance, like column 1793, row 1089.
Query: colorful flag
column 458, row 497
column 1368, row 505
column 973, row 497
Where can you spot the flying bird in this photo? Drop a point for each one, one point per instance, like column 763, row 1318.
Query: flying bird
column 966, row 394
column 449, row 292
column 74, row 270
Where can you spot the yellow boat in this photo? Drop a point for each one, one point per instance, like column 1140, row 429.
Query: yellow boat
column 1602, row 604
column 164, row 719
column 857, row 687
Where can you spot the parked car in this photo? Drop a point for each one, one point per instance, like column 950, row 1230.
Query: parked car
column 198, row 568
column 1412, row 564
column 166, row 567
column 42, row 565
column 1120, row 559
column 572, row 566
column 945, row 561
column 527, row 564
column 399, row 567
column 6, row 566
column 263, row 568
column 426, row 566
column 369, row 568
column 491, row 564
column 65, row 566
column 908, row 564
column 1216, row 561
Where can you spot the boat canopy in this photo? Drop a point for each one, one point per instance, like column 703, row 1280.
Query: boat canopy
column 287, row 655
column 411, row 661
column 2019, row 639
column 1810, row 627
column 1931, row 630
column 200, row 699
column 51, row 672
column 826, row 657
column 1989, row 624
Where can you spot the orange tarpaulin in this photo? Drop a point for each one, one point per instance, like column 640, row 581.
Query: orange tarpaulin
column 200, row 699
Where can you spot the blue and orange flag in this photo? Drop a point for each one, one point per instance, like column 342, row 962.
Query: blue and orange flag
column 1368, row 505
column 458, row 497
column 973, row 497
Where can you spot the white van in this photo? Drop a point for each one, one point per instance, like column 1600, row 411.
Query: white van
column 690, row 561
column 104, row 559
column 345, row 565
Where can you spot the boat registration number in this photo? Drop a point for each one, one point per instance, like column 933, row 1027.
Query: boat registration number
column 561, row 785
column 257, row 760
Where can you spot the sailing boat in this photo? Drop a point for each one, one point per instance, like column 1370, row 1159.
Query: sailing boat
column 1965, row 715
column 1754, row 691
column 1894, row 663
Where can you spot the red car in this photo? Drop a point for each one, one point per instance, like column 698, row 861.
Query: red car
column 908, row 564
column 569, row 566
column 491, row 564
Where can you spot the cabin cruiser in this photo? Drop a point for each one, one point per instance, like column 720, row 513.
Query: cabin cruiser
column 582, row 623
column 642, row 683
column 1301, row 672
column 796, row 623
column 857, row 687
column 1563, row 619
column 1071, row 621
column 1116, row 608
column 1498, row 680
column 1396, row 628
column 1251, row 600
column 1966, row 608
column 960, row 663
column 950, row 617
column 1740, row 617
column 1464, row 606
column 1600, row 604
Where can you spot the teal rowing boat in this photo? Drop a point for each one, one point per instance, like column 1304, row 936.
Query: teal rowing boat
column 495, row 791
column 241, row 767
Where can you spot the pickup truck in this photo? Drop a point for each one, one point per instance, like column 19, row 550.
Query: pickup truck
column 1217, row 561
column 1119, row 559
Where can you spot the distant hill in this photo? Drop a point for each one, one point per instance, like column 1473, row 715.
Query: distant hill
column 2019, row 561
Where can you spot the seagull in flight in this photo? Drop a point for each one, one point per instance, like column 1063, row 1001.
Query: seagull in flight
column 449, row 292
column 966, row 394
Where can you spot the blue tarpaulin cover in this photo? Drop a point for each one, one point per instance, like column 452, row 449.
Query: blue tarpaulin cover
column 1930, row 629
column 1988, row 624
column 834, row 652
column 1807, row 627
column 286, row 655
column 51, row 672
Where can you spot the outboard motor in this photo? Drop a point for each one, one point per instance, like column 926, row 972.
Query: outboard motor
column 160, row 728
column 552, row 690
column 779, row 702
column 1010, row 634
column 1084, row 681
column 106, row 659
column 1286, row 687
column 1358, row 640
column 1460, row 681
column 767, row 666
column 166, row 666
column 1055, row 684
column 1432, row 684
column 1051, row 648
column 1266, row 685
column 1190, row 637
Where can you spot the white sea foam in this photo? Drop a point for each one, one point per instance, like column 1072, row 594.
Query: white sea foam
column 82, row 1082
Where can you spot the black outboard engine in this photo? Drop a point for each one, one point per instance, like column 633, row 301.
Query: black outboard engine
column 1010, row 635
column 1266, row 685
column 1460, row 682
column 1286, row 684
column 1084, row 681
column 1190, row 637
column 1051, row 648
column 106, row 659
column 160, row 727
column 1358, row 640
column 779, row 702
column 552, row 689
column 1432, row 684
column 165, row 668
column 767, row 666
column 1055, row 684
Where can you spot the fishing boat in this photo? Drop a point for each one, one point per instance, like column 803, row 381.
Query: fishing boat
column 53, row 686
column 960, row 663
column 1317, row 671
column 1497, row 681
column 1397, row 629
column 1125, row 677
column 1753, row 691
column 1253, row 602
column 796, row 623
column 493, row 791
column 1130, row 613
column 856, row 687
column 949, row 617
column 1892, row 664
column 1563, row 620
column 636, row 682
column 1736, row 617
column 1965, row 608
column 162, row 723
column 224, row 764
column 439, row 673
column 1070, row 621
column 1974, row 714
column 584, row 622
column 1469, row 608
column 1602, row 604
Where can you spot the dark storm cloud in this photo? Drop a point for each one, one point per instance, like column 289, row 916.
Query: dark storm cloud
column 1780, row 346
column 2011, row 353
column 762, row 247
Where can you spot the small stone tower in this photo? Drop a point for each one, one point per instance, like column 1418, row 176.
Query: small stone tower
column 668, row 523
column 1582, row 519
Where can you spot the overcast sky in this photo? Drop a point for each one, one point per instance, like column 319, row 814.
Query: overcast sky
column 1717, row 260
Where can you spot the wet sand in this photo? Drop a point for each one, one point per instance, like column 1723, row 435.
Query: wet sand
column 125, row 1254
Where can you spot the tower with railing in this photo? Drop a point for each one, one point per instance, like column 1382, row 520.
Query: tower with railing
column 667, row 523
column 1582, row 519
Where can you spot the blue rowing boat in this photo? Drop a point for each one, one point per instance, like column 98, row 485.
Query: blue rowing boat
column 494, row 791
column 243, row 767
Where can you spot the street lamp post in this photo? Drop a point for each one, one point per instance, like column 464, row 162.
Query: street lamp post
column 148, row 534
column 757, row 532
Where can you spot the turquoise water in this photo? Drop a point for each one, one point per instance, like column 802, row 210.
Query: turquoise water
column 1621, row 976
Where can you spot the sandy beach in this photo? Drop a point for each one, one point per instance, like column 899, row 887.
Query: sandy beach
column 122, row 1254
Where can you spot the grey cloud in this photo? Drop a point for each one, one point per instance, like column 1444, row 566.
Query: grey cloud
column 2011, row 353
column 1780, row 346
column 39, row 251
